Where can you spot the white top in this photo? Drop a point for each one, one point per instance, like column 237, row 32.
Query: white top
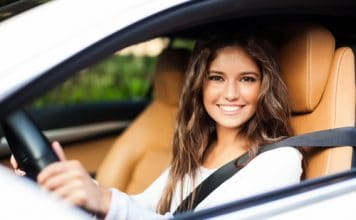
column 269, row 170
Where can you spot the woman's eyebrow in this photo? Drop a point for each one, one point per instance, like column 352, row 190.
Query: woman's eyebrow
column 244, row 73
column 215, row 72
column 250, row 73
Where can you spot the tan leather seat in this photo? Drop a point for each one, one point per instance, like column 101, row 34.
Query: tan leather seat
column 321, row 85
column 143, row 151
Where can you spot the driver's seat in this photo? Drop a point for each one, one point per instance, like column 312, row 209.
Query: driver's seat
column 321, row 85
column 144, row 149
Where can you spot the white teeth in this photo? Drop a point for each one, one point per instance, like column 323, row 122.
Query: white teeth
column 229, row 108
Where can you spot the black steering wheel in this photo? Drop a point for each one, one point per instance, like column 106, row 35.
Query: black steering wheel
column 30, row 147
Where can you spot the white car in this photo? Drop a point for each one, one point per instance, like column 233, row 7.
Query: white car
column 42, row 47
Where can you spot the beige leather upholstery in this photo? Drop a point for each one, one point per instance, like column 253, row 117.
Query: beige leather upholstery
column 143, row 151
column 321, row 86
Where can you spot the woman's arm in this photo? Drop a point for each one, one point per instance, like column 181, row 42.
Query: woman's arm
column 140, row 206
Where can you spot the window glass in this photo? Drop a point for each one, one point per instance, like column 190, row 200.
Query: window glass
column 126, row 75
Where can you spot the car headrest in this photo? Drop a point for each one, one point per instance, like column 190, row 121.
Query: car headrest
column 169, row 75
column 306, row 58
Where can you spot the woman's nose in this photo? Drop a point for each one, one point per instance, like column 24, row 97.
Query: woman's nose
column 231, row 91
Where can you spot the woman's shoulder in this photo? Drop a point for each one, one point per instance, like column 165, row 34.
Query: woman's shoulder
column 280, row 155
column 282, row 151
column 284, row 162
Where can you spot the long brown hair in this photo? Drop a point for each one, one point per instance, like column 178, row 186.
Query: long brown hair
column 195, row 129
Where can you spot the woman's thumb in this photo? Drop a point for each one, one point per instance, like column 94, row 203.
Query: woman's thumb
column 59, row 150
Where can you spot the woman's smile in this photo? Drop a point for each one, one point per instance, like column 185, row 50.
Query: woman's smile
column 228, row 109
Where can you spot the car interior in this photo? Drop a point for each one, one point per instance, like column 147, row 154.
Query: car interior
column 323, row 98
column 326, row 77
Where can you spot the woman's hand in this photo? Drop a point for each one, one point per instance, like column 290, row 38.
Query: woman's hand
column 70, row 181
column 57, row 149
column 16, row 167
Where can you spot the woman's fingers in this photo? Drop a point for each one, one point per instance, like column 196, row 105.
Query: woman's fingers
column 13, row 162
column 15, row 166
column 58, row 168
column 61, row 179
column 59, row 150
column 70, row 181
column 67, row 190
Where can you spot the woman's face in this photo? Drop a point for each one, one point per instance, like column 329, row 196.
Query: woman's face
column 232, row 87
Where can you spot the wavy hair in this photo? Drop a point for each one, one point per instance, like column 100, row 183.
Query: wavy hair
column 195, row 130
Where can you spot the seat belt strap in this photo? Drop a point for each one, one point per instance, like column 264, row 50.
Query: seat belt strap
column 345, row 136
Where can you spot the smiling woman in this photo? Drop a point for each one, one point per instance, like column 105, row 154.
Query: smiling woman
column 226, row 111
column 219, row 118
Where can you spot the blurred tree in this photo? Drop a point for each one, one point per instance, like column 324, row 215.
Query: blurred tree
column 117, row 78
column 125, row 75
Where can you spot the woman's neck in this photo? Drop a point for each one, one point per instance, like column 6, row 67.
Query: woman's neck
column 228, row 145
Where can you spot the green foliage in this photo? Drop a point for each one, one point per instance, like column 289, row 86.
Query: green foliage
column 117, row 78
column 120, row 77
column 183, row 43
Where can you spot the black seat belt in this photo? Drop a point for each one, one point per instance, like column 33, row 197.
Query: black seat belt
column 345, row 136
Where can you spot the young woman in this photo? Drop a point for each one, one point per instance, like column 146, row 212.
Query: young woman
column 233, row 102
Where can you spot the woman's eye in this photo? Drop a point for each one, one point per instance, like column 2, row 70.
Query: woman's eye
column 215, row 78
column 248, row 79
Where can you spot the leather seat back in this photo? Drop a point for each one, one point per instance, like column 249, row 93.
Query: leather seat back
column 321, row 85
column 144, row 149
